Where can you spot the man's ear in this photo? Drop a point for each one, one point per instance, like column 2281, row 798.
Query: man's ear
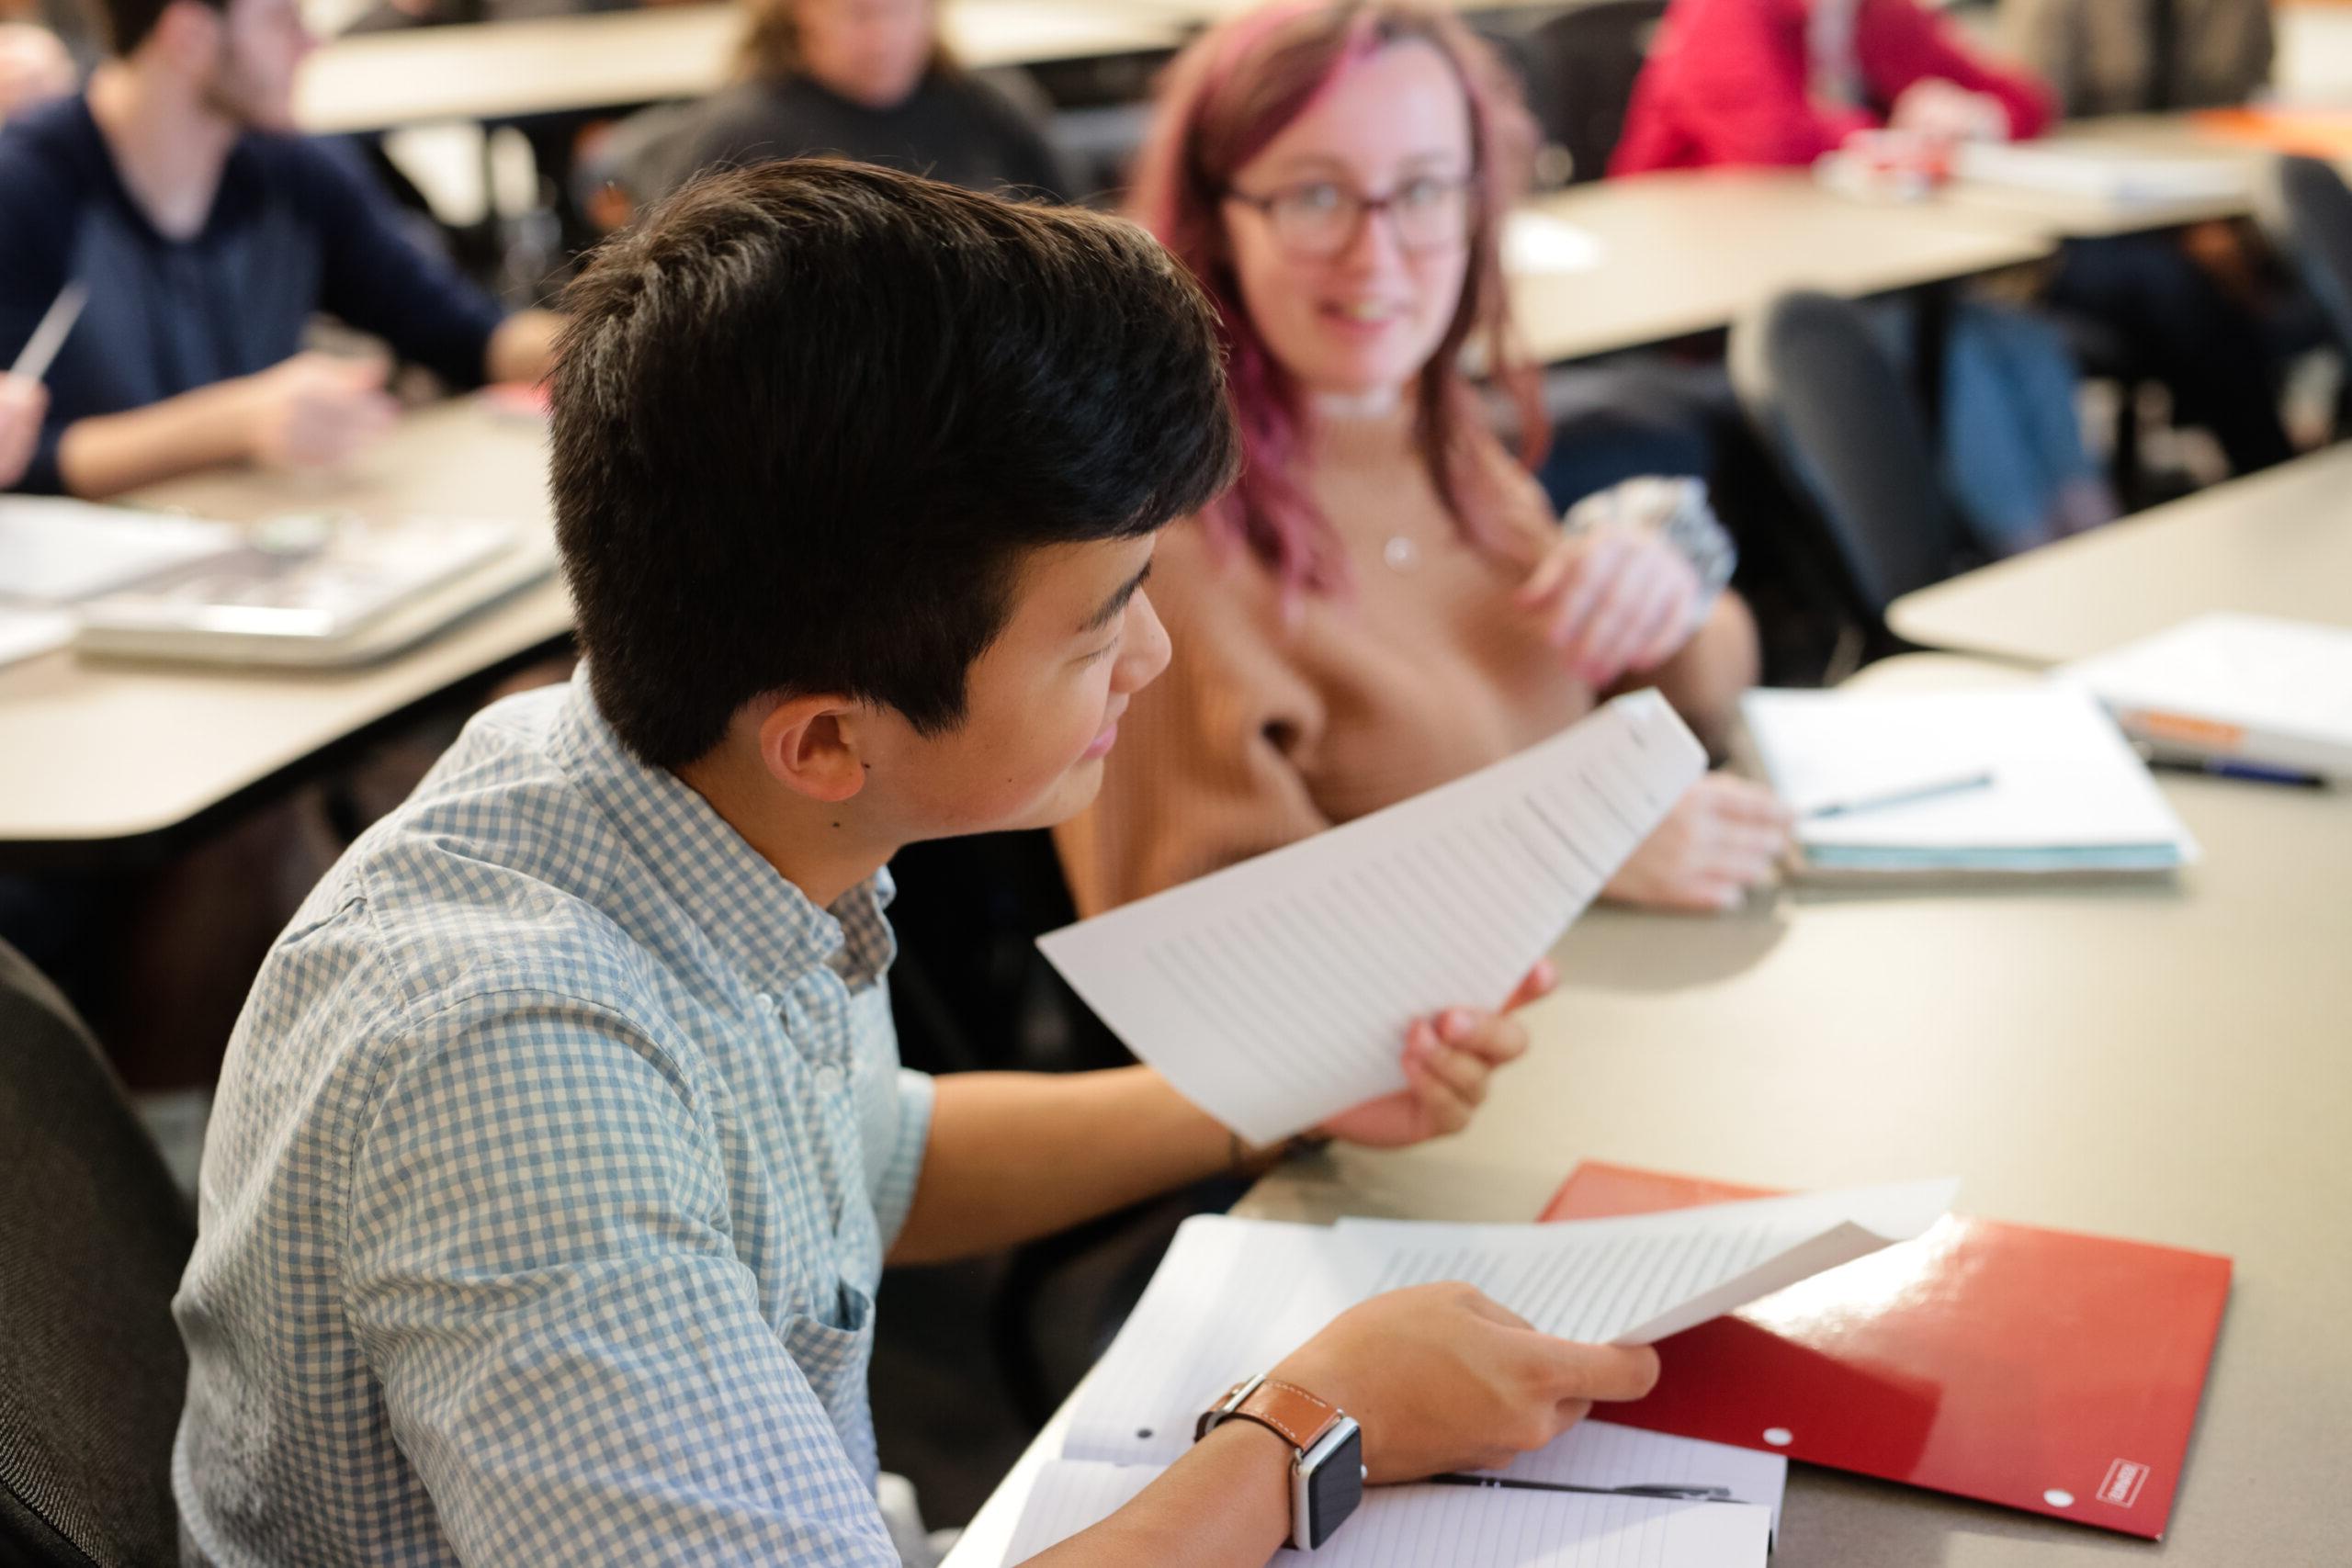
column 811, row 745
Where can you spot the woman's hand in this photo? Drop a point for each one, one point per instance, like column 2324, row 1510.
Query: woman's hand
column 1448, row 1060
column 1724, row 835
column 1614, row 599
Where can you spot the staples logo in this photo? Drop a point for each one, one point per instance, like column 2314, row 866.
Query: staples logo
column 2122, row 1486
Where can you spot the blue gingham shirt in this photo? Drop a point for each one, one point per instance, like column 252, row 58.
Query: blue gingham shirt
column 546, row 1196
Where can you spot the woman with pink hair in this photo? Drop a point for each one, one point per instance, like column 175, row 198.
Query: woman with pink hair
column 1385, row 601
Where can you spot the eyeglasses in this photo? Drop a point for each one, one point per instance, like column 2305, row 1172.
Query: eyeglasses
column 1319, row 219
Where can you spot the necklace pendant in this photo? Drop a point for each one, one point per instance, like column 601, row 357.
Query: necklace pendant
column 1401, row 553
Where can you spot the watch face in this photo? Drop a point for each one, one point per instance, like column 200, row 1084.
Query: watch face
column 1334, row 1483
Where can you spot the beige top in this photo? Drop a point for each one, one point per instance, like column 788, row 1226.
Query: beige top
column 1261, row 733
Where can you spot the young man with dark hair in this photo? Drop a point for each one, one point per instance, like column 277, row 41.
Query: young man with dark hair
column 207, row 236
column 561, row 1146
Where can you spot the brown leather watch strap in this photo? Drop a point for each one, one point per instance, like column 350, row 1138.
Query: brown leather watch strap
column 1298, row 1416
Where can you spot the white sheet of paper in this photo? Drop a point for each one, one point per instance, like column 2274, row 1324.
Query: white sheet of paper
column 1410, row 1527
column 1601, row 1453
column 1634, row 1280
column 25, row 634
column 2063, row 777
column 2290, row 679
column 1277, row 992
column 1538, row 243
column 1230, row 1298
column 53, row 551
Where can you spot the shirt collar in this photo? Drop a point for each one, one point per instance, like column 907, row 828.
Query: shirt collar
column 752, row 913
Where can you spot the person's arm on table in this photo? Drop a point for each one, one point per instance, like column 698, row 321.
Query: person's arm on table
column 1439, row 1379
column 1015, row 1155
column 523, row 348
column 310, row 412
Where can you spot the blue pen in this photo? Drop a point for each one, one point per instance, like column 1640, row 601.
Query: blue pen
column 2227, row 768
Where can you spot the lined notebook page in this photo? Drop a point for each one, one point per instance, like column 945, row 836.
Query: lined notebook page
column 2062, row 778
column 1231, row 1298
column 1601, row 1453
column 1410, row 1527
column 1638, row 1278
column 1277, row 992
column 1072, row 1494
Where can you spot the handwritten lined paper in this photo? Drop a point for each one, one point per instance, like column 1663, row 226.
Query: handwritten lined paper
column 1636, row 1279
column 1277, row 992
column 1403, row 1526
column 1233, row 1297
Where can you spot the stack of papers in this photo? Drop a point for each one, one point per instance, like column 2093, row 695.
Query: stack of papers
column 55, row 553
column 1277, row 993
column 2246, row 688
column 1233, row 1297
column 2034, row 779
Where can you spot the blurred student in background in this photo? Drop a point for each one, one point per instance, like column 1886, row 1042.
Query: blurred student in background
column 207, row 236
column 1783, row 82
column 1385, row 601
column 2209, row 310
column 869, row 80
column 2113, row 57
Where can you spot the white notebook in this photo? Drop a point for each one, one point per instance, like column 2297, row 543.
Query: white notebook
column 1278, row 992
column 2247, row 688
column 1411, row 1527
column 2058, row 788
column 2117, row 177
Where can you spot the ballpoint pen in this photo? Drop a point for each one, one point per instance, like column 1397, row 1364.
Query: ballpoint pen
column 1675, row 1491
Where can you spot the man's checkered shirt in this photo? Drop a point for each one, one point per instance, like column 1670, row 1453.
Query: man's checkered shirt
column 546, row 1197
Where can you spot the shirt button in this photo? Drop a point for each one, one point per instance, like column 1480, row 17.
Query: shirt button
column 828, row 1078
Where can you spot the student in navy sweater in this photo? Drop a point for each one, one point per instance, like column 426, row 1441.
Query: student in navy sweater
column 207, row 236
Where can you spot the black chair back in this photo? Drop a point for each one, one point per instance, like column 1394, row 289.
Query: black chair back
column 1580, row 67
column 1845, row 428
column 92, row 1237
column 2306, row 210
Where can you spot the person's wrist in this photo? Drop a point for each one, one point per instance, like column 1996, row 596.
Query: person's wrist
column 1308, row 1369
column 1245, row 1158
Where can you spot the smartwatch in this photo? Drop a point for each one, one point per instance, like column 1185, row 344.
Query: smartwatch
column 1327, row 1471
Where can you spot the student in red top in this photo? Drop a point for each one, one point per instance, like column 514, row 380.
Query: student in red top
column 1781, row 82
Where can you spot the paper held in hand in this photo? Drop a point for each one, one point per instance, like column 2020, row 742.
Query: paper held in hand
column 1277, row 993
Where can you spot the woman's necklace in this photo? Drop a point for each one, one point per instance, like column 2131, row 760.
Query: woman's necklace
column 1401, row 553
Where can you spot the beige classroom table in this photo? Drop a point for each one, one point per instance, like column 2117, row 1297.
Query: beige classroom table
column 1687, row 252
column 493, row 71
column 2161, row 1062
column 105, row 759
column 2275, row 543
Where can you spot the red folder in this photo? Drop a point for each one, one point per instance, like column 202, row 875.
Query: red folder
column 2039, row 1370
